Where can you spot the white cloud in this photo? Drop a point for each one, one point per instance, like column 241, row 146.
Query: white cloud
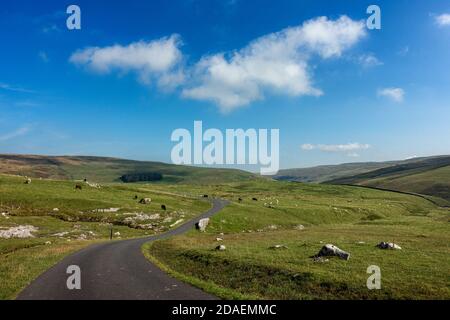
column 369, row 60
column 395, row 94
column 336, row 147
column 443, row 19
column 276, row 62
column 14, row 134
column 353, row 155
column 7, row 87
column 158, row 59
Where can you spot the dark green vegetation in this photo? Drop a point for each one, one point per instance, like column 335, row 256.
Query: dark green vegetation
column 141, row 177
column 354, row 219
column 106, row 170
column 66, row 219
column 427, row 176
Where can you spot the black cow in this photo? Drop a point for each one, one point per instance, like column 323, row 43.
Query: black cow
column 255, row 199
column 163, row 207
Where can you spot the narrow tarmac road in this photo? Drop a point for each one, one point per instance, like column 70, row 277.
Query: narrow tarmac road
column 117, row 270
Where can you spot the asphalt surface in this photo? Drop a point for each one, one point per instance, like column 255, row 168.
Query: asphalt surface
column 117, row 270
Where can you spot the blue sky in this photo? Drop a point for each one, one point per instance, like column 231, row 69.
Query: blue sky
column 349, row 95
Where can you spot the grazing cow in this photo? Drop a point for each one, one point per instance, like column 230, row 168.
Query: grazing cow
column 135, row 197
column 163, row 207
column 78, row 187
column 240, row 199
column 205, row 196
column 255, row 199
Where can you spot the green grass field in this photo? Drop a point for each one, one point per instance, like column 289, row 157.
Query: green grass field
column 78, row 222
column 354, row 219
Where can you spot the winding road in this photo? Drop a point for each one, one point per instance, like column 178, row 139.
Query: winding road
column 117, row 270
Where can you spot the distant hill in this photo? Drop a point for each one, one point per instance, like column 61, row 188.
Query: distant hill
column 325, row 173
column 104, row 170
column 427, row 176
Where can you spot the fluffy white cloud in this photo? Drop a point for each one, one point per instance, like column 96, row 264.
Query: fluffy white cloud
column 158, row 59
column 443, row 19
column 336, row 147
column 276, row 62
column 395, row 94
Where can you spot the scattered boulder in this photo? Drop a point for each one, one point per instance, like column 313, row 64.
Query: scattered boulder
column 18, row 232
column 389, row 245
column 221, row 248
column 93, row 185
column 278, row 246
column 202, row 224
column 61, row 234
column 331, row 250
column 47, row 243
column 55, row 209
column 219, row 239
column 145, row 201
column 320, row 259
column 117, row 234
column 299, row 227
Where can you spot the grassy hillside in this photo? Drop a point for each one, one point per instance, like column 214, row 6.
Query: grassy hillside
column 430, row 176
column 103, row 170
column 325, row 173
column 304, row 217
column 66, row 219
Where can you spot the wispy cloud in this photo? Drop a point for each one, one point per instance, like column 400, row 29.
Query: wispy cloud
column 43, row 56
column 14, row 134
column 369, row 60
column 51, row 29
column 394, row 94
column 403, row 51
column 442, row 20
column 349, row 147
column 7, row 87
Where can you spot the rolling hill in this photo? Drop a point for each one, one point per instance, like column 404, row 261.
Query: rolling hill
column 428, row 176
column 105, row 170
